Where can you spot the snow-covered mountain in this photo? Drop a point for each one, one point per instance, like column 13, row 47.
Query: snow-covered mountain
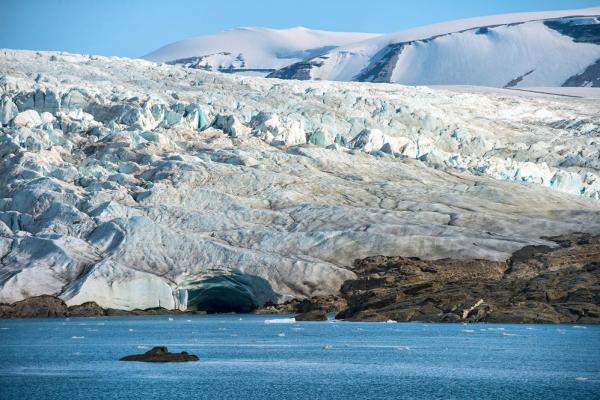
column 253, row 50
column 560, row 48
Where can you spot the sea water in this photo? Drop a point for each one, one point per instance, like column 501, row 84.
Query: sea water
column 242, row 357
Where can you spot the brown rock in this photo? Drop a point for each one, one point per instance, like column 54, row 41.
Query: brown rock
column 537, row 284
column 35, row 307
column 368, row 316
column 88, row 309
column 161, row 354
column 315, row 315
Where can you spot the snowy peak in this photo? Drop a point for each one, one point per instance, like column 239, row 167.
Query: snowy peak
column 259, row 50
column 529, row 49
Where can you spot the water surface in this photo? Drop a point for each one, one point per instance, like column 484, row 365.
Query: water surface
column 242, row 357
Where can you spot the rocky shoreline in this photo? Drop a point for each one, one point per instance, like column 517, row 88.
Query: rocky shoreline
column 46, row 306
column 538, row 284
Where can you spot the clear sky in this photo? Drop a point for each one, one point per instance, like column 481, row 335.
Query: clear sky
column 135, row 27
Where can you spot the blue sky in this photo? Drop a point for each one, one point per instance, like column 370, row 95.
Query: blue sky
column 135, row 27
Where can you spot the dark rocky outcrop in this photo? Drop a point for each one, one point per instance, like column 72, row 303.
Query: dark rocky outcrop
column 161, row 354
column 537, row 284
column 328, row 304
column 88, row 309
column 35, row 307
column 315, row 315
column 590, row 77
column 49, row 306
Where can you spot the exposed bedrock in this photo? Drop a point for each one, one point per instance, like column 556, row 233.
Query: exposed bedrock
column 557, row 284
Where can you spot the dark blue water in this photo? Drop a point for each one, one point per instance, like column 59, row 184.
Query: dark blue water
column 246, row 358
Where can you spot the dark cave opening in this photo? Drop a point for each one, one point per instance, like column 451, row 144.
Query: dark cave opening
column 222, row 294
column 221, row 300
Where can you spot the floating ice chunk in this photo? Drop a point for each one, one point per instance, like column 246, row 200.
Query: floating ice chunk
column 582, row 378
column 170, row 319
column 391, row 321
column 281, row 321
column 327, row 347
column 77, row 337
column 281, row 334
column 468, row 330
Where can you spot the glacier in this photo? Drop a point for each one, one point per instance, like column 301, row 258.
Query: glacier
column 137, row 184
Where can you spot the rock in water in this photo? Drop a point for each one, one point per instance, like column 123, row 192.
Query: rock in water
column 316, row 315
column 161, row 354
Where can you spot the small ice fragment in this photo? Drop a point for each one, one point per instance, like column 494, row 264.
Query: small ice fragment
column 130, row 330
column 281, row 334
column 281, row 321
column 579, row 327
column 170, row 319
column 188, row 320
column 468, row 330
column 582, row 378
column 327, row 347
column 77, row 337
column 390, row 321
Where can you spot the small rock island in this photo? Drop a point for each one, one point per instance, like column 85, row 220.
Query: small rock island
column 161, row 354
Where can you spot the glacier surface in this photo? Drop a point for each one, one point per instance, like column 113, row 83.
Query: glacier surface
column 137, row 185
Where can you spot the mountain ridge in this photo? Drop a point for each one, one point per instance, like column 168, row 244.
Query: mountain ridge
column 503, row 50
